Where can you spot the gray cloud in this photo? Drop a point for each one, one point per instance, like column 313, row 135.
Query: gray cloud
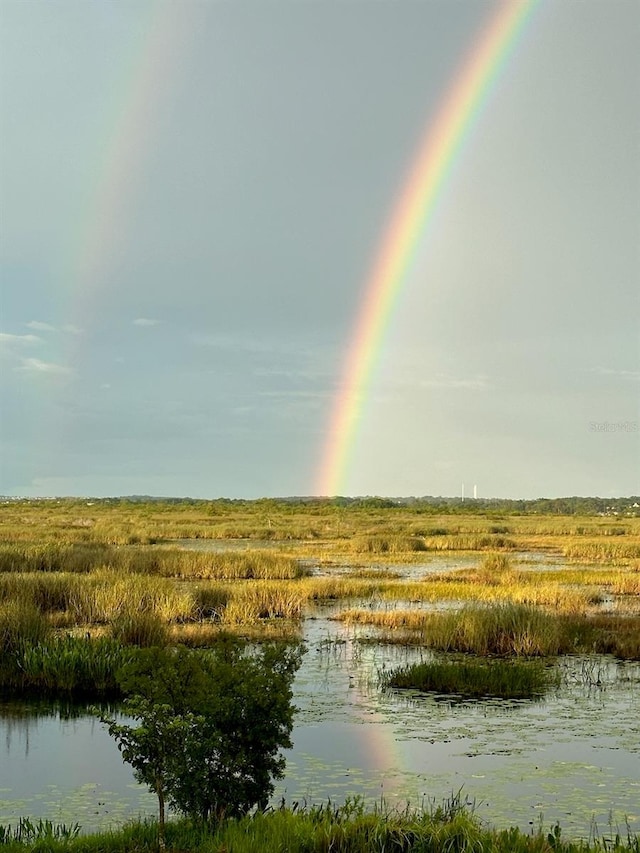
column 233, row 226
column 36, row 365
column 9, row 340
column 40, row 327
column 147, row 322
column 633, row 375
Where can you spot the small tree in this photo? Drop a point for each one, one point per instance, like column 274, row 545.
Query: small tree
column 211, row 725
column 148, row 747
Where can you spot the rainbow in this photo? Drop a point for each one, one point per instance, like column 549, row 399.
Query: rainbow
column 413, row 213
column 145, row 74
column 142, row 85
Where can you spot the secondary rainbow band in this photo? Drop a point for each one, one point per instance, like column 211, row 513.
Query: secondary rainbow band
column 414, row 211
column 143, row 85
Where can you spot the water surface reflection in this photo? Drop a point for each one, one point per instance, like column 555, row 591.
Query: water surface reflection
column 572, row 757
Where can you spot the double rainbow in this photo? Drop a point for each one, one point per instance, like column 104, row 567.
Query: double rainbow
column 414, row 211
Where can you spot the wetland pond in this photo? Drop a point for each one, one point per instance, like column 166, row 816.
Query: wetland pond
column 572, row 757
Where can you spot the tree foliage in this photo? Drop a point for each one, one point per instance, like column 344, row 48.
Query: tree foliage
column 210, row 725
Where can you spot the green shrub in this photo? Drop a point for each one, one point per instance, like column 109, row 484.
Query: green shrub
column 210, row 726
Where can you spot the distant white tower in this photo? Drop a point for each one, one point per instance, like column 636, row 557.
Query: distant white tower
column 463, row 491
column 475, row 493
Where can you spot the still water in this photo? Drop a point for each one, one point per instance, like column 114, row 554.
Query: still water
column 573, row 757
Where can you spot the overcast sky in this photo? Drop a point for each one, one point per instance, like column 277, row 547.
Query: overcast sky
column 192, row 196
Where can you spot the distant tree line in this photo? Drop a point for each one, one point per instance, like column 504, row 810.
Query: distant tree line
column 425, row 504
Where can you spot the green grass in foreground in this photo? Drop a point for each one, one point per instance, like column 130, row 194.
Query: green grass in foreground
column 505, row 679
column 346, row 829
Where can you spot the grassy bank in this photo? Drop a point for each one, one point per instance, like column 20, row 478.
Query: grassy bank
column 347, row 829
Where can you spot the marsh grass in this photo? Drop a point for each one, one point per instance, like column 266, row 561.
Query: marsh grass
column 609, row 634
column 140, row 629
column 21, row 623
column 500, row 630
column 47, row 592
column 505, row 679
column 53, row 557
column 119, row 521
column 65, row 666
column 108, row 595
column 613, row 551
column 350, row 828
column 387, row 544
column 83, row 558
column 256, row 564
column 594, row 580
column 123, row 600
column 253, row 601
column 397, row 544
column 67, row 564
column 506, row 630
column 99, row 597
column 202, row 635
column 510, row 587
column 333, row 588
column 470, row 542
column 626, row 584
column 495, row 569
column 211, row 600
column 376, row 574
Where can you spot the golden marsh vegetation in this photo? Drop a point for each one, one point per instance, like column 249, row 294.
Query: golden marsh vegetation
column 510, row 584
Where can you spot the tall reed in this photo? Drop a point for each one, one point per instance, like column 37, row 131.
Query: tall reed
column 140, row 629
column 498, row 630
column 387, row 544
column 164, row 561
column 599, row 551
column 53, row 557
column 507, row 630
column 21, row 623
column 262, row 600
